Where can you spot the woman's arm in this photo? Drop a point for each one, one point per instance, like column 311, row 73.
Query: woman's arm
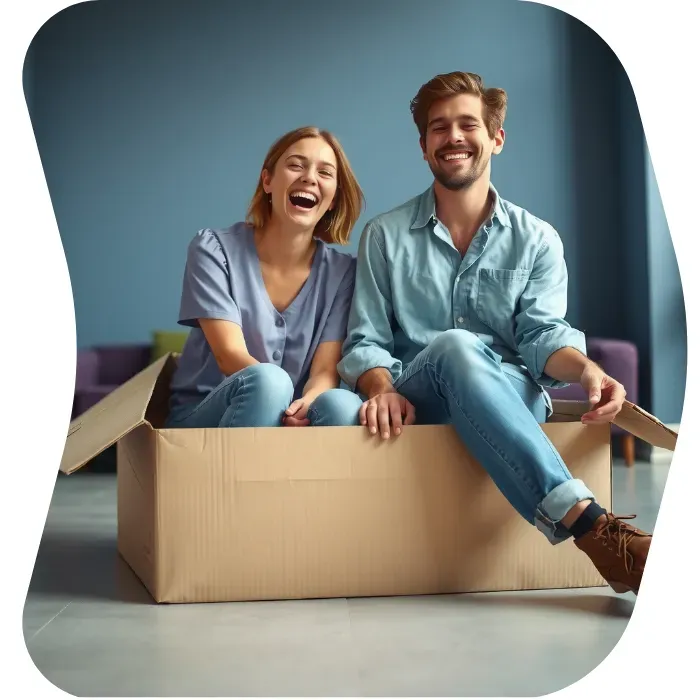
column 323, row 376
column 227, row 344
column 324, row 370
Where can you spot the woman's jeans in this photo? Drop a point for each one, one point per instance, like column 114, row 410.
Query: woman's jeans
column 257, row 397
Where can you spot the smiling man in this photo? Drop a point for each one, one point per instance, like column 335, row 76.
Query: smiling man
column 458, row 317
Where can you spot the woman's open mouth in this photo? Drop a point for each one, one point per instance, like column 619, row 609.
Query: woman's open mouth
column 304, row 201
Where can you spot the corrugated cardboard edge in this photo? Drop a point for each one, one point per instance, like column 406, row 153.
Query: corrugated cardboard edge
column 632, row 418
column 109, row 420
column 137, row 534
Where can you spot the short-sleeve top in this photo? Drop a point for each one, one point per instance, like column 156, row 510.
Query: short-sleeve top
column 223, row 280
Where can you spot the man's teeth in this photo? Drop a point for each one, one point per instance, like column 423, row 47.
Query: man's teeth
column 455, row 156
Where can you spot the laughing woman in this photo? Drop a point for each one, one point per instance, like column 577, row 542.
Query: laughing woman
column 268, row 299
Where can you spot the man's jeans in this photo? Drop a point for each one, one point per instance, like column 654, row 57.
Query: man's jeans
column 258, row 396
column 496, row 411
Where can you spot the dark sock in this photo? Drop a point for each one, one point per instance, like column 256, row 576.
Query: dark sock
column 584, row 522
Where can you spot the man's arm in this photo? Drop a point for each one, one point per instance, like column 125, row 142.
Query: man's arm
column 605, row 394
column 368, row 365
column 374, row 382
column 553, row 351
column 370, row 339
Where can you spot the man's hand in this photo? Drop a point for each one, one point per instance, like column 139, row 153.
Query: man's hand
column 295, row 415
column 605, row 395
column 386, row 411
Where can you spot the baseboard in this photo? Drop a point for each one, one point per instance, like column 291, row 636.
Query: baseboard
column 660, row 455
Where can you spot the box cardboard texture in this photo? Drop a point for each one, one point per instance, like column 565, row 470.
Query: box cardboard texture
column 219, row 515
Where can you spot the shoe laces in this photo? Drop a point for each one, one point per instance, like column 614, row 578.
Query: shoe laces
column 620, row 533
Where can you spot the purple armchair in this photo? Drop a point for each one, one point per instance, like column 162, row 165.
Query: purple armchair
column 619, row 358
column 100, row 370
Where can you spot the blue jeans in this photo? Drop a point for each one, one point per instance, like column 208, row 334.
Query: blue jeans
column 257, row 397
column 497, row 412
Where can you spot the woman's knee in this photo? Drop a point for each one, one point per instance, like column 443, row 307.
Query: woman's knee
column 336, row 407
column 268, row 380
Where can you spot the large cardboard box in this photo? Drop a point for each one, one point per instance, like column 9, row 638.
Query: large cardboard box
column 277, row 513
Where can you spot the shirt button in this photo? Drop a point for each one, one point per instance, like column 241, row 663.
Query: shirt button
column 460, row 319
column 276, row 355
column 279, row 323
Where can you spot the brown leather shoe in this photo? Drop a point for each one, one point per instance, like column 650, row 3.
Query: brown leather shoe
column 618, row 550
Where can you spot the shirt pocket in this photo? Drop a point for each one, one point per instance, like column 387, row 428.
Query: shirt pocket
column 498, row 294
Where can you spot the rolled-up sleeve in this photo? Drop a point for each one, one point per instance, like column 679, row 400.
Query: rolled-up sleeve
column 540, row 325
column 370, row 340
column 206, row 285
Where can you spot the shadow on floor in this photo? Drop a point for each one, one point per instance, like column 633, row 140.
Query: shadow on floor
column 574, row 601
column 72, row 565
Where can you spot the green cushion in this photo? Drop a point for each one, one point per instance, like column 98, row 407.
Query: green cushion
column 165, row 342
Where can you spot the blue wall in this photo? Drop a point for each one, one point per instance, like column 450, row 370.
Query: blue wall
column 152, row 119
column 667, row 310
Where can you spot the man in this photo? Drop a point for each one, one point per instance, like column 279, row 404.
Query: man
column 458, row 316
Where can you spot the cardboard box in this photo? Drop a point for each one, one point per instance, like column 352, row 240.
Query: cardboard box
column 278, row 513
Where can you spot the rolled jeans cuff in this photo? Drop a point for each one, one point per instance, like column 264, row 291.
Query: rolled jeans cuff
column 556, row 505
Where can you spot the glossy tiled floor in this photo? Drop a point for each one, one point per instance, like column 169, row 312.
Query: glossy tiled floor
column 92, row 630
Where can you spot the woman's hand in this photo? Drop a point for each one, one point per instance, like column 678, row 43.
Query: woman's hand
column 295, row 415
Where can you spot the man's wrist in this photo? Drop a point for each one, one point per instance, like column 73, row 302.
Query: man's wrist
column 375, row 382
column 568, row 365
column 384, row 389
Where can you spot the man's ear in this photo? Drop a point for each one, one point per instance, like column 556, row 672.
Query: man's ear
column 421, row 143
column 500, row 140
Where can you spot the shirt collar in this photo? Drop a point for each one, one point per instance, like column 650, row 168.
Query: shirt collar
column 426, row 209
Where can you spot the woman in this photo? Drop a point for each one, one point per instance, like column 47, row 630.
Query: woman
column 268, row 299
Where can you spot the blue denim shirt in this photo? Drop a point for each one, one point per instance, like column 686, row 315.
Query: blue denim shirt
column 510, row 289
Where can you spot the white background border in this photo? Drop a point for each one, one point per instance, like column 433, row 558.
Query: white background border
column 37, row 352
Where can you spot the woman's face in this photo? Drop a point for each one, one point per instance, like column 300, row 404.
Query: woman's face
column 304, row 183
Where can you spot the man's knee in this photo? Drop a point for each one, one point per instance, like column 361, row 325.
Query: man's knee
column 455, row 343
column 336, row 407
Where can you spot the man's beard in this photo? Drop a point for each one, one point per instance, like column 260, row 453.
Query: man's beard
column 459, row 181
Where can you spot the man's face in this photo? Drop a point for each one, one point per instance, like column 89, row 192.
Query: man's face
column 457, row 145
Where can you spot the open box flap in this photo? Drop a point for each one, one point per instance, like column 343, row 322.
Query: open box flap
column 632, row 418
column 109, row 420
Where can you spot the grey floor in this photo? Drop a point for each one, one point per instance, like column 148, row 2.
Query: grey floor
column 92, row 630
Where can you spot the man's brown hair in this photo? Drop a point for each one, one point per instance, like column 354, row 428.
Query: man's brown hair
column 494, row 100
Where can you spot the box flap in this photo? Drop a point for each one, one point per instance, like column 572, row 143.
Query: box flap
column 646, row 427
column 109, row 420
column 632, row 418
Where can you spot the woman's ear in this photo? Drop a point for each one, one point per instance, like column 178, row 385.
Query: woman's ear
column 266, row 178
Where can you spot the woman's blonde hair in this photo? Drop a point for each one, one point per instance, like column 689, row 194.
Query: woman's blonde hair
column 336, row 225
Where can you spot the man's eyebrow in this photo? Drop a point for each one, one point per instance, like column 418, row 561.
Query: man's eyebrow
column 462, row 117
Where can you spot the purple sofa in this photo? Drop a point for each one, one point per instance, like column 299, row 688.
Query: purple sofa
column 102, row 369
column 619, row 358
